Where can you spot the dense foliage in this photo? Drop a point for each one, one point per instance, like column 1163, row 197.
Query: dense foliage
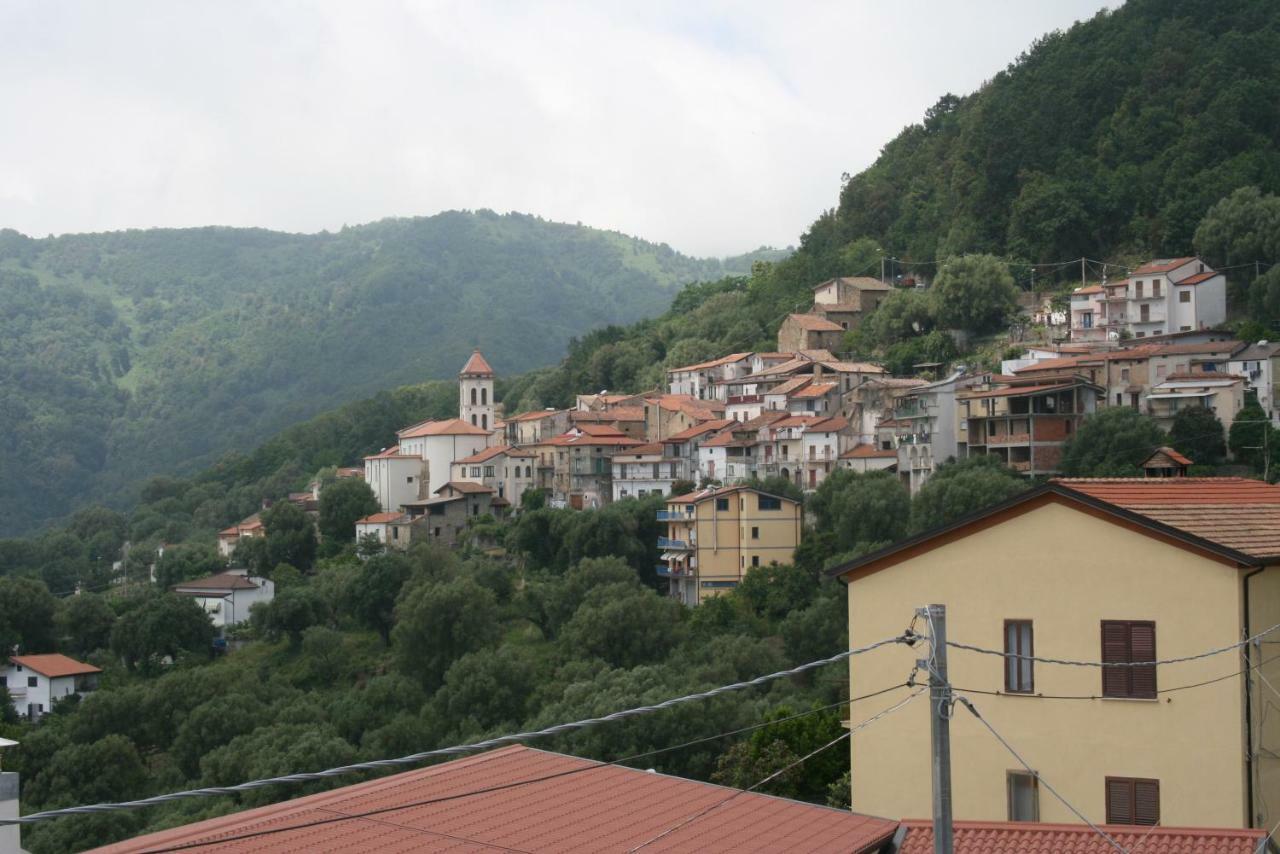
column 131, row 353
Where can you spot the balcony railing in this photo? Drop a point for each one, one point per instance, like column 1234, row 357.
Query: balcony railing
column 1009, row 439
column 1020, row 465
column 744, row 398
column 674, row 545
column 673, row 571
column 673, row 516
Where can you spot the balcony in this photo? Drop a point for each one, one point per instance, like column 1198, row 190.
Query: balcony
column 673, row 545
column 1009, row 439
column 1020, row 465
column 744, row 398
column 674, row 516
column 665, row 571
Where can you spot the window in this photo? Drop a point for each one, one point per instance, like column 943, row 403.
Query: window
column 33, row 681
column 1125, row 641
column 473, row 397
column 1155, row 288
column 1119, row 398
column 475, row 471
column 755, row 532
column 484, row 397
column 1132, row 800
column 1124, row 374
column 409, row 479
column 488, row 471
column 484, row 421
column 1024, row 796
column 1138, row 292
column 1184, row 295
column 755, row 560
column 768, row 502
column 1018, row 672
column 1161, row 370
column 722, row 504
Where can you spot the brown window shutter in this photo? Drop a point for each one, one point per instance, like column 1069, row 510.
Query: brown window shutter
column 1119, row 801
column 1142, row 647
column 1115, row 647
column 1146, row 802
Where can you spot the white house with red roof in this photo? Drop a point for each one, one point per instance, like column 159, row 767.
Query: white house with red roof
column 227, row 596
column 387, row 527
column 505, row 469
column 643, row 470
column 438, row 444
column 821, row 445
column 1165, row 295
column 36, row 682
column 249, row 528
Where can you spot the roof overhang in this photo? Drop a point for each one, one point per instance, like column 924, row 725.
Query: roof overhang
column 1049, row 493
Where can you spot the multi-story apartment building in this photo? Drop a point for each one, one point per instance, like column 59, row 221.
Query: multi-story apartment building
column 530, row 428
column 821, row 445
column 396, row 477
column 729, row 457
column 715, row 536
column 1119, row 572
column 683, row 448
column 583, row 457
column 1086, row 314
column 644, row 470
column 1027, row 421
column 506, row 470
column 1162, row 296
column 705, row 379
column 930, row 434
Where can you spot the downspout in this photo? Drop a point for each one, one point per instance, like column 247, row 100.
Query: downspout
column 1248, row 702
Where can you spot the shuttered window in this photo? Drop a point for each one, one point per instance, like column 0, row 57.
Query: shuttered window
column 1018, row 674
column 1132, row 800
column 1129, row 641
column 1023, row 795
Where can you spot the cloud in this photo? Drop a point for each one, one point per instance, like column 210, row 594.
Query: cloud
column 715, row 127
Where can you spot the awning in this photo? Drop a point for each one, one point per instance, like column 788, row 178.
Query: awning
column 1176, row 395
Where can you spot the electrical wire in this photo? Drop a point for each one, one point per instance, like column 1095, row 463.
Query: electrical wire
column 528, row 782
column 855, row 728
column 1077, row 663
column 457, row 750
column 1039, row 779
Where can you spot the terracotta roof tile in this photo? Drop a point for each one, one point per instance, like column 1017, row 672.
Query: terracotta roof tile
column 1160, row 265
column 585, row 807
column 698, row 429
column 714, row 363
column 813, row 323
column 1197, row 278
column 829, row 425
column 476, row 366
column 487, row 454
column 974, row 837
column 862, row 452
column 381, row 518
column 54, row 665
column 466, row 487
column 450, row 427
column 1171, row 454
column 814, row 390
column 791, row 386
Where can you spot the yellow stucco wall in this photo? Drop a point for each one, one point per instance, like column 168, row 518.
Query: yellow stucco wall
column 1066, row 571
column 1264, row 611
column 725, row 546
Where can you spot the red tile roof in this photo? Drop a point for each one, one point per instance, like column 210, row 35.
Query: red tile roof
column 466, row 487
column 1205, row 347
column 1235, row 512
column 392, row 453
column 1160, row 265
column 714, row 363
column 613, row 413
column 1198, row 278
column 535, row 415
column 698, row 429
column 567, row 805
column 791, row 386
column 476, row 366
column 813, row 323
column 1092, row 289
column 814, row 390
column 380, row 518
column 450, row 427
column 488, row 454
column 643, row 450
column 54, row 665
column 1171, row 454
column 999, row 837
column 862, row 283
column 828, row 425
column 861, row 452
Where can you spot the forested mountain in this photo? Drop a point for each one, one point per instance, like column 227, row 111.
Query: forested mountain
column 1111, row 137
column 132, row 353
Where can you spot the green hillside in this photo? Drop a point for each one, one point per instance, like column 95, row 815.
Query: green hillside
column 133, row 353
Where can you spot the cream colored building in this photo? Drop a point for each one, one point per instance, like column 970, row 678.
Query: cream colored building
column 1108, row 570
column 715, row 536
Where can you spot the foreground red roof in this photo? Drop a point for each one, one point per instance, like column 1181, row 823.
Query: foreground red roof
column 54, row 665
column 1001, row 837
column 1131, row 492
column 551, row 802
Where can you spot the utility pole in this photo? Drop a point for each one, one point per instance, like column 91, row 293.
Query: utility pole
column 939, row 725
column 1082, row 281
column 882, row 268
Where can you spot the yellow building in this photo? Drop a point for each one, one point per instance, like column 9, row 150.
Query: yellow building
column 715, row 536
column 1106, row 570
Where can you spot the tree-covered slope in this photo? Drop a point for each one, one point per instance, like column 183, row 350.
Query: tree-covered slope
column 1111, row 137
column 132, row 353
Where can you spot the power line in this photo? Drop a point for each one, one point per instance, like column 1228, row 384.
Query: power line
column 1076, row 663
column 518, row 783
column 855, row 728
column 457, row 750
column 1039, row 779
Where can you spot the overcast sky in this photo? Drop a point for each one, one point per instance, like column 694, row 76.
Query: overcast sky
column 715, row 127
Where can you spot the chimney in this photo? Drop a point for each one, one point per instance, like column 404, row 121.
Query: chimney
column 10, row 836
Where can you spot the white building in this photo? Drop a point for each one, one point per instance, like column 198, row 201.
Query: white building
column 704, row 379
column 229, row 538
column 385, row 526
column 227, row 596
column 438, row 444
column 395, row 477
column 1259, row 364
column 929, row 432
column 1164, row 296
column 1086, row 314
column 822, row 443
column 36, row 682
column 508, row 471
column 643, row 470
column 475, row 400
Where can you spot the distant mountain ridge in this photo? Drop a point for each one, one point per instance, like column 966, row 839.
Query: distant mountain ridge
column 131, row 353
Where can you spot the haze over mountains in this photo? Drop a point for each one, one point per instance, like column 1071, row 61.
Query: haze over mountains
column 133, row 353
